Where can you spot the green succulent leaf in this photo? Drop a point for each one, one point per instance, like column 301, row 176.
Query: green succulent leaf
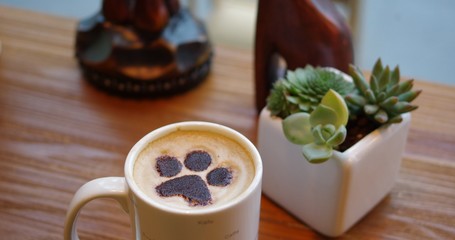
column 370, row 96
column 392, row 91
column 317, row 153
column 396, row 119
column 329, row 135
column 409, row 96
column 338, row 136
column 374, row 84
column 291, row 76
column 380, row 96
column 384, row 79
column 389, row 102
column 371, row 109
column 324, row 115
column 377, row 68
column 305, row 107
column 405, row 86
column 328, row 130
column 381, row 116
column 292, row 99
column 402, row 107
column 395, row 76
column 297, row 128
column 358, row 79
column 336, row 102
column 318, row 135
column 355, row 99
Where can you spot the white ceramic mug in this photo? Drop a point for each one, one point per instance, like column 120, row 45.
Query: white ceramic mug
column 237, row 219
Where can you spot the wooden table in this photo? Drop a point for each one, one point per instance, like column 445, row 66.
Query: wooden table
column 58, row 132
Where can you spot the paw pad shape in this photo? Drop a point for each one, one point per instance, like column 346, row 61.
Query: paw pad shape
column 192, row 188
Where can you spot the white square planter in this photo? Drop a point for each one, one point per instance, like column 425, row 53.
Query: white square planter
column 332, row 196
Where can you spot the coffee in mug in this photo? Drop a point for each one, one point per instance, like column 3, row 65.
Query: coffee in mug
column 188, row 180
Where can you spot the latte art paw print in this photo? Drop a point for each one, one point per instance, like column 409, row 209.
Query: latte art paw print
column 193, row 188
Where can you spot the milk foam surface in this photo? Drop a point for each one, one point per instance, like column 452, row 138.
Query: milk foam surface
column 224, row 151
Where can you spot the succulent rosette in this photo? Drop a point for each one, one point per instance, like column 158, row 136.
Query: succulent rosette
column 385, row 98
column 321, row 130
column 302, row 90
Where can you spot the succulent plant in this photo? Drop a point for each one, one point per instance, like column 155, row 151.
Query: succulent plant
column 302, row 90
column 321, row 130
column 317, row 103
column 385, row 98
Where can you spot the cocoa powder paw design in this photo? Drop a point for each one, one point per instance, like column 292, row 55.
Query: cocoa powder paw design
column 192, row 188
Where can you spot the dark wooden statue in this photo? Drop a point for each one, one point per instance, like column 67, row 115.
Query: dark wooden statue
column 299, row 32
column 143, row 48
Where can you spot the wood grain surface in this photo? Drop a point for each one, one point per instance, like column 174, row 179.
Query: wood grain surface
column 58, row 132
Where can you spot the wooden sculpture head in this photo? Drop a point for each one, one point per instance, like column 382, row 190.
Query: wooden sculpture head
column 299, row 32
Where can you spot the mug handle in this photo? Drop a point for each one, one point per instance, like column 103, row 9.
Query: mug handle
column 107, row 187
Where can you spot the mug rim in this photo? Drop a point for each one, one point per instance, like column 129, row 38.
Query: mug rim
column 193, row 125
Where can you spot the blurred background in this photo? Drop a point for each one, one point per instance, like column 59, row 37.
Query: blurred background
column 417, row 35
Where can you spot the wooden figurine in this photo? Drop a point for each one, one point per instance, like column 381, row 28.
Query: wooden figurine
column 299, row 32
column 143, row 48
